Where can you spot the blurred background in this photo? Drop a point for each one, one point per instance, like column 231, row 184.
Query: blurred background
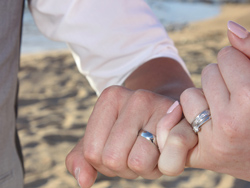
column 55, row 100
column 165, row 10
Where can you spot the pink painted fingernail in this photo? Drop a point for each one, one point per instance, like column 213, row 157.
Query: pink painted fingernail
column 174, row 105
column 237, row 29
column 77, row 173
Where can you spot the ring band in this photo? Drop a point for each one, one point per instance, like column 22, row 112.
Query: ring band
column 149, row 136
column 202, row 118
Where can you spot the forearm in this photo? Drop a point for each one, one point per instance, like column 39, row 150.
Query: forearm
column 108, row 43
column 161, row 75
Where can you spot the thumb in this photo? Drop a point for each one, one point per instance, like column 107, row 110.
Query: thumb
column 76, row 164
column 239, row 37
column 167, row 122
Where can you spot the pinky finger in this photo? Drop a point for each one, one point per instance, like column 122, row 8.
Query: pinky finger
column 180, row 140
column 166, row 123
column 76, row 164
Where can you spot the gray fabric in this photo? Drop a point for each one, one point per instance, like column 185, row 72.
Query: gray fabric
column 11, row 175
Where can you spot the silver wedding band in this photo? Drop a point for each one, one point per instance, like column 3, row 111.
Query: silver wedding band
column 149, row 136
column 202, row 118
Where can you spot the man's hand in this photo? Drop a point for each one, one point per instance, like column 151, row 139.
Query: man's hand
column 111, row 144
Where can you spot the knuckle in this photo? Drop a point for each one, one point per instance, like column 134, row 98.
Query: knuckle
column 136, row 164
column 178, row 140
column 208, row 69
column 92, row 157
column 112, row 161
column 140, row 98
column 111, row 93
column 168, row 172
column 224, row 53
column 186, row 94
column 167, row 168
column 111, row 97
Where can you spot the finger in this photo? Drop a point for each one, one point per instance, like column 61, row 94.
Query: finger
column 84, row 173
column 214, row 88
column 232, row 62
column 123, row 136
column 143, row 159
column 168, row 121
column 193, row 103
column 174, row 155
column 239, row 37
column 101, row 121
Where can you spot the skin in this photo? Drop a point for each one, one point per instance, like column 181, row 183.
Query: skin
column 222, row 145
column 110, row 144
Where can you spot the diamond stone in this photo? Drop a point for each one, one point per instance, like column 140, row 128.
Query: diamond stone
column 196, row 129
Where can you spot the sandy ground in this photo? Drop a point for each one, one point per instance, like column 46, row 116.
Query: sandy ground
column 55, row 102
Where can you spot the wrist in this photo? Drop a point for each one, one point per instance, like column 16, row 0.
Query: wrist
column 173, row 90
column 164, row 76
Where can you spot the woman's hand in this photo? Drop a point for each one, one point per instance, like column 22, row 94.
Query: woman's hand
column 223, row 144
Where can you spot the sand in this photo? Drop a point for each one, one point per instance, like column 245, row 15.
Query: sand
column 55, row 102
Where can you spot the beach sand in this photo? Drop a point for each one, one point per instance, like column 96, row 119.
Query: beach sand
column 55, row 102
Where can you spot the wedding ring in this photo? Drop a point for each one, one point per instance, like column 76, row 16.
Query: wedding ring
column 149, row 136
column 202, row 118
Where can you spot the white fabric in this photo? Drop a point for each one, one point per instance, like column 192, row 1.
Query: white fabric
column 109, row 38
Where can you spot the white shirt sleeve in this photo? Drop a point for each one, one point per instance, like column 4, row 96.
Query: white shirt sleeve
column 109, row 39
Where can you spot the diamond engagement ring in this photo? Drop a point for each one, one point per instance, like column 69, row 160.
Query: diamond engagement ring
column 202, row 118
column 149, row 136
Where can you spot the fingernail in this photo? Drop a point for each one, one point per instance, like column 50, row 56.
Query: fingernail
column 174, row 105
column 237, row 29
column 77, row 172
